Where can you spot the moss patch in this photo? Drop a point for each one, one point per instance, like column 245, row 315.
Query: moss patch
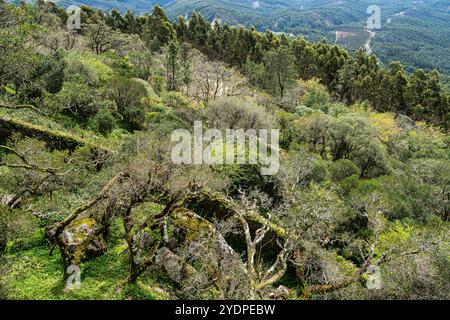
column 33, row 274
column 58, row 139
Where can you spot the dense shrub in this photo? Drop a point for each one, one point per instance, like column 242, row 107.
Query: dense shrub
column 105, row 122
column 233, row 113
column 343, row 169
column 133, row 118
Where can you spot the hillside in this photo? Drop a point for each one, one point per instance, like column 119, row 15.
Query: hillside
column 144, row 159
column 414, row 32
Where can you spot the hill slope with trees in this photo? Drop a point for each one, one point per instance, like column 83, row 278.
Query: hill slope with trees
column 414, row 32
column 88, row 188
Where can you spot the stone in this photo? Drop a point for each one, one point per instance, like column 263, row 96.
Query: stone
column 78, row 241
column 202, row 245
column 281, row 293
column 6, row 198
column 173, row 266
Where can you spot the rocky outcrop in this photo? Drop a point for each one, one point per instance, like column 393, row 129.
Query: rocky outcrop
column 81, row 241
column 194, row 241
column 192, row 230
column 173, row 266
column 281, row 293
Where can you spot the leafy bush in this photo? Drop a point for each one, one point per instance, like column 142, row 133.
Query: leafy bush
column 52, row 68
column 75, row 99
column 17, row 229
column 233, row 113
column 305, row 111
column 175, row 100
column 126, row 93
column 105, row 122
column 320, row 171
column 133, row 118
column 318, row 99
column 164, row 123
column 342, row 169
column 86, row 67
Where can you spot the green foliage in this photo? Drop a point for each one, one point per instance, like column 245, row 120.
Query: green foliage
column 279, row 65
column 175, row 100
column 86, row 67
column 158, row 30
column 36, row 275
column 320, row 171
column 232, row 113
column 349, row 137
column 163, row 124
column 317, row 99
column 105, row 122
column 358, row 172
column 256, row 73
column 126, row 93
column 133, row 118
column 52, row 69
column 18, row 230
column 172, row 65
column 343, row 169
column 75, row 99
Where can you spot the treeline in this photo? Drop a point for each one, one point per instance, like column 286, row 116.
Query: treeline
column 270, row 61
column 273, row 62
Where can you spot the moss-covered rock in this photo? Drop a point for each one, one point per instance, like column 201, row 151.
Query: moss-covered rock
column 190, row 225
column 205, row 248
column 55, row 139
column 81, row 241
column 173, row 266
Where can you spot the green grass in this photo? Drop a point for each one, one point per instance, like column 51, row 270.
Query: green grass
column 34, row 274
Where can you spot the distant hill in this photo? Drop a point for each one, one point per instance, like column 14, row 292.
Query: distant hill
column 415, row 32
column 138, row 6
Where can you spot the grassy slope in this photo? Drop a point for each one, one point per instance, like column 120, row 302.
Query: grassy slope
column 35, row 275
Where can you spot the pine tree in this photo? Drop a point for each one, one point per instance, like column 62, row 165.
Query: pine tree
column 280, row 69
column 117, row 21
column 182, row 29
column 415, row 94
column 397, row 86
column 158, row 31
column 199, row 29
column 305, row 58
column 435, row 105
column 185, row 65
column 172, row 65
column 131, row 23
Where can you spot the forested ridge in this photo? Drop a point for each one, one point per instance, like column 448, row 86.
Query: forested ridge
column 413, row 32
column 87, row 182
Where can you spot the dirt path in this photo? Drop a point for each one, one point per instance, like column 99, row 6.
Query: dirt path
column 367, row 45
